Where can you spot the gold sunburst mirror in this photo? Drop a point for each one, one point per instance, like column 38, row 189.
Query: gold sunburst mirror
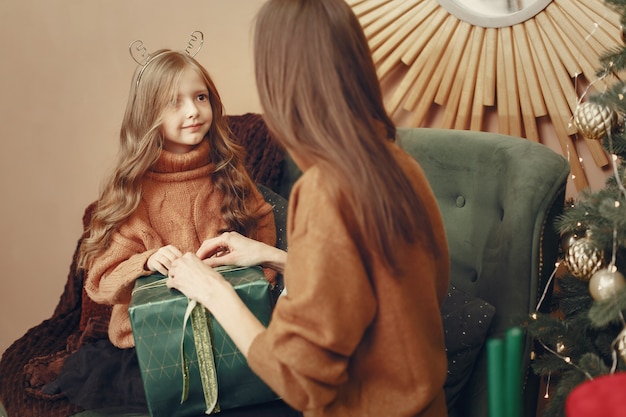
column 525, row 60
column 494, row 13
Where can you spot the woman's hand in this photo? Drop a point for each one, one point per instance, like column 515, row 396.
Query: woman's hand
column 189, row 275
column 231, row 248
column 161, row 260
column 199, row 282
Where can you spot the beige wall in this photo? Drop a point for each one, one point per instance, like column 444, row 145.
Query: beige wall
column 64, row 77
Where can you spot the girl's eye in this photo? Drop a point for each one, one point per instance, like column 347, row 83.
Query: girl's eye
column 203, row 97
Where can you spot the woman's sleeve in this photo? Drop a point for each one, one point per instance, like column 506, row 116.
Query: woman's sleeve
column 315, row 329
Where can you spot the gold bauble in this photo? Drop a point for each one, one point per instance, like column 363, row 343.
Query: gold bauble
column 583, row 258
column 594, row 120
column 605, row 283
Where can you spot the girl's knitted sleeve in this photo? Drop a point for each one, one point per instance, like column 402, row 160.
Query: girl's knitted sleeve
column 111, row 277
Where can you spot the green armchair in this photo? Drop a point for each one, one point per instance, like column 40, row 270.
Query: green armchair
column 499, row 197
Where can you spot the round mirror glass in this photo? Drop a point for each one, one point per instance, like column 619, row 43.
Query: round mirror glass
column 494, row 13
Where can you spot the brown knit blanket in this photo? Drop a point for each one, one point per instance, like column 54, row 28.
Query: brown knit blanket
column 36, row 358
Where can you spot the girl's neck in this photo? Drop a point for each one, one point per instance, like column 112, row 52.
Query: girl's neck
column 177, row 162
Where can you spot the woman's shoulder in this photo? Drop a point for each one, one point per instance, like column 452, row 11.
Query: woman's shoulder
column 403, row 157
column 314, row 193
column 409, row 165
column 314, row 181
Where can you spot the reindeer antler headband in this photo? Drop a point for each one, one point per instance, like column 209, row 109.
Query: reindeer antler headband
column 140, row 54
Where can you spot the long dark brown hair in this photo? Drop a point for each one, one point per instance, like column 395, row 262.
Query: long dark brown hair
column 141, row 143
column 322, row 100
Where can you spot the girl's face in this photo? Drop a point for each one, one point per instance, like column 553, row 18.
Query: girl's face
column 187, row 119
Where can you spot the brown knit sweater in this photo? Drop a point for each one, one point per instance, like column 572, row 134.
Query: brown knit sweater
column 345, row 342
column 180, row 207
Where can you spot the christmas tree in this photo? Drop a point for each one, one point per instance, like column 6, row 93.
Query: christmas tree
column 585, row 335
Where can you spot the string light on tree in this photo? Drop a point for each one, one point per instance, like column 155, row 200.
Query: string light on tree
column 620, row 344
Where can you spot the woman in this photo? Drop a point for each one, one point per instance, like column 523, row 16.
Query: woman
column 358, row 332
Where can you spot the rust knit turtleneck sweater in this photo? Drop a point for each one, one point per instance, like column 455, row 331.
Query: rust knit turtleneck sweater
column 179, row 207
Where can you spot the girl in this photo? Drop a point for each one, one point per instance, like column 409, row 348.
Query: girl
column 179, row 179
column 359, row 330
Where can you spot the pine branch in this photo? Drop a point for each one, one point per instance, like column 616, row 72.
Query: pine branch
column 606, row 313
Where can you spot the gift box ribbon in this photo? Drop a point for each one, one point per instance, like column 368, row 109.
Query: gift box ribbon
column 204, row 350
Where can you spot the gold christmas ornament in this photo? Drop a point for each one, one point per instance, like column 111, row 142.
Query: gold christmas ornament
column 583, row 258
column 605, row 283
column 594, row 120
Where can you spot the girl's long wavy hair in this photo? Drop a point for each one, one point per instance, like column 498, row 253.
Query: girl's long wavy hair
column 322, row 100
column 141, row 143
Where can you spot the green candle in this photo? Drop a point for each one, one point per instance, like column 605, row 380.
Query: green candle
column 495, row 377
column 513, row 372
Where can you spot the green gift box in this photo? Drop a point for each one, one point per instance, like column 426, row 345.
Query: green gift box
column 189, row 365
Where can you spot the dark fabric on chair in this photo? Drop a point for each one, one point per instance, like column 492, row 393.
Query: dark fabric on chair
column 263, row 155
column 466, row 321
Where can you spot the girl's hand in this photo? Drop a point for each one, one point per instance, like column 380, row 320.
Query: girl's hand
column 161, row 260
column 231, row 248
